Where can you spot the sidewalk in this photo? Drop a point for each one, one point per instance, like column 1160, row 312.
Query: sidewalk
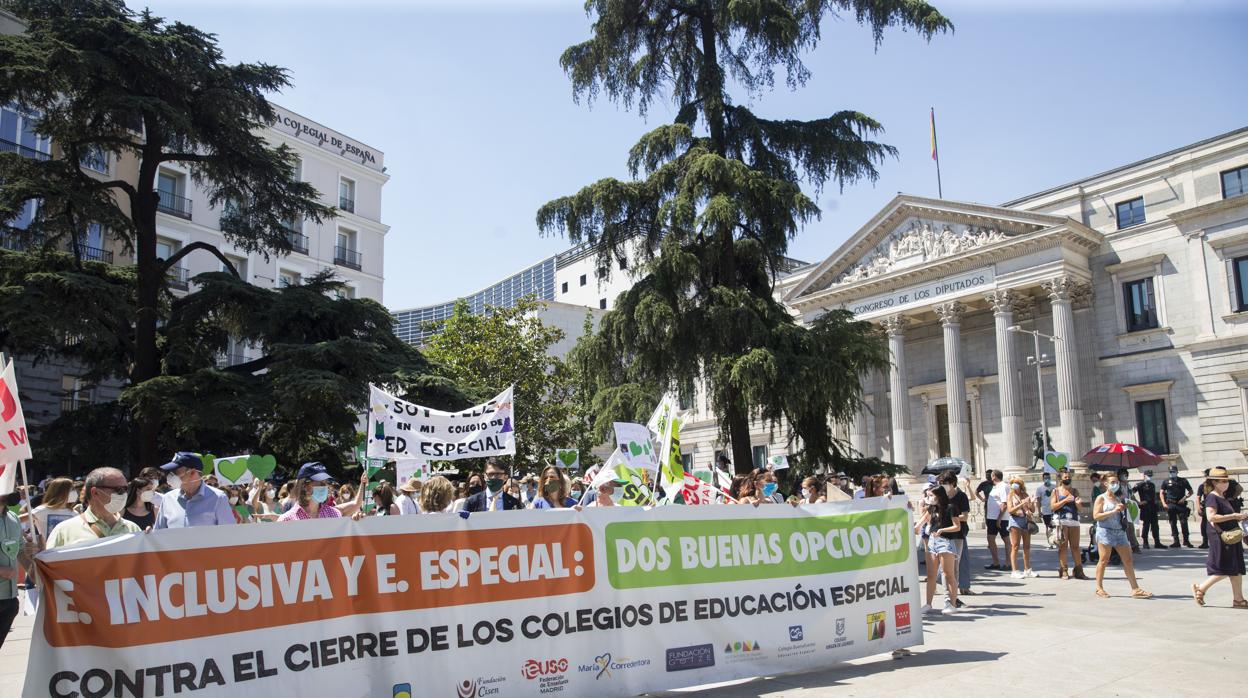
column 1035, row 637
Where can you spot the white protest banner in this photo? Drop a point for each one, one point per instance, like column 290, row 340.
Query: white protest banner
column 606, row 601
column 636, row 447
column 398, row 429
column 697, row 492
column 778, row 462
column 14, row 446
column 568, row 458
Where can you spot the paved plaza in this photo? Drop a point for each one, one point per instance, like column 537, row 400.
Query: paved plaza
column 1036, row 637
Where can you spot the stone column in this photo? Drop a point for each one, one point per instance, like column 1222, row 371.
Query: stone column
column 950, row 315
column 1073, row 440
column 858, row 428
column 899, row 398
column 1003, row 303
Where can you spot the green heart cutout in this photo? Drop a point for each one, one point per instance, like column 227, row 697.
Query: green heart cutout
column 233, row 469
column 209, row 461
column 634, row 448
column 646, row 447
column 10, row 548
column 261, row 466
column 1057, row 461
column 568, row 458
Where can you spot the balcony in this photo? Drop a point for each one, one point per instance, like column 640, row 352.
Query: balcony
column 12, row 242
column 234, row 359
column 69, row 404
column 346, row 204
column 298, row 241
column 179, row 278
column 96, row 254
column 11, row 147
column 173, row 204
column 345, row 257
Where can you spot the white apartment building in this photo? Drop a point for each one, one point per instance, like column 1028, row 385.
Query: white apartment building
column 349, row 176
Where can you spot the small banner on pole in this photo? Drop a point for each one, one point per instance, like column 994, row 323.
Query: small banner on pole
column 14, row 445
column 398, row 429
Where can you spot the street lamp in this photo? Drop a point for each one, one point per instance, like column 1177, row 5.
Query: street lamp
column 1037, row 360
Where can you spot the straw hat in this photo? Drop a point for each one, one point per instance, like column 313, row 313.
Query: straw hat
column 412, row 485
column 1218, row 473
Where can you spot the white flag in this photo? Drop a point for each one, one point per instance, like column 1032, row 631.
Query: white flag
column 636, row 446
column 14, row 445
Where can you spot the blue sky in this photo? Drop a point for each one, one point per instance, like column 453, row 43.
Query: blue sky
column 479, row 128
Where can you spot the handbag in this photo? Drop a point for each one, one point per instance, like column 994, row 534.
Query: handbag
column 1233, row 537
column 1032, row 527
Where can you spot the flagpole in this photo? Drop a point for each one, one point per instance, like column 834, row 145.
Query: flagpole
column 940, row 193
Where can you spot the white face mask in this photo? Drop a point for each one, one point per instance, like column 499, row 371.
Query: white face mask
column 805, row 493
column 270, row 494
column 73, row 497
column 116, row 502
column 146, row 495
column 1016, row 487
column 173, row 481
column 233, row 499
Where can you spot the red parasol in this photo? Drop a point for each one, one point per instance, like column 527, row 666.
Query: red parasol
column 1119, row 455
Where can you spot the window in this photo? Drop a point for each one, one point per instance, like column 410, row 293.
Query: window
column 623, row 264
column 686, row 394
column 17, row 134
column 75, row 393
column 1150, row 424
column 1235, row 182
column 344, row 250
column 346, row 195
column 602, row 303
column 564, row 287
column 1130, row 212
column 240, row 265
column 686, row 459
column 1240, row 265
column 93, row 245
column 95, row 159
column 288, row 278
column 760, row 456
column 165, row 248
column 1140, row 304
column 169, row 189
column 583, row 279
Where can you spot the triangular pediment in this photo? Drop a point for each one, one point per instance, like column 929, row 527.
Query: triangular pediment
column 914, row 231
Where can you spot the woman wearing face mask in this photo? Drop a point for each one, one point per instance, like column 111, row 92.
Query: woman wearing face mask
column 311, row 495
column 764, row 488
column 474, row 484
column 58, row 505
column 942, row 519
column 812, row 491
column 139, row 508
column 263, row 501
column 1225, row 560
column 409, row 497
column 1065, row 502
column 552, row 488
column 236, row 495
column 603, row 497
column 1111, row 536
column 1020, row 507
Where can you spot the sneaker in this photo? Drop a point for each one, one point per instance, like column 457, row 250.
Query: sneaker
column 950, row 610
column 993, row 566
column 1031, row 574
column 1016, row 575
column 959, row 603
column 1174, row 545
column 927, row 608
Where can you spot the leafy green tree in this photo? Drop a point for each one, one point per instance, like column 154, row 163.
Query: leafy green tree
column 715, row 199
column 102, row 78
column 483, row 354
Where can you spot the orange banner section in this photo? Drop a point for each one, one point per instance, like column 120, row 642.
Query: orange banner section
column 142, row 598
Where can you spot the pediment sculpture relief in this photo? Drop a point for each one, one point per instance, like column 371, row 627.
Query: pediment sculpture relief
column 916, row 245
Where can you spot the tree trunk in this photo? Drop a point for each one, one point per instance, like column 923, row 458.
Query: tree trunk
column 146, row 361
column 738, row 421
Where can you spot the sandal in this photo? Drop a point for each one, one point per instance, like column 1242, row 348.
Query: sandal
column 1102, row 593
column 1141, row 594
column 1239, row 604
column 1198, row 595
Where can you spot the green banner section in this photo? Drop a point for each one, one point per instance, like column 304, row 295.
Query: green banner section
column 672, row 553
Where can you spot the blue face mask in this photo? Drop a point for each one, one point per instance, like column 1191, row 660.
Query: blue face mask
column 769, row 489
column 1114, row 487
column 320, row 494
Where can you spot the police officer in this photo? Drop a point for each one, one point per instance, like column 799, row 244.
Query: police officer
column 1146, row 495
column 1174, row 494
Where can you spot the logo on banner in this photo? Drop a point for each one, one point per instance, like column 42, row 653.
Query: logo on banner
column 401, row 690
column 605, row 663
column 738, row 647
column 480, row 686
column 841, row 640
column 877, row 625
column 549, row 674
column 691, row 657
column 901, row 618
column 796, row 646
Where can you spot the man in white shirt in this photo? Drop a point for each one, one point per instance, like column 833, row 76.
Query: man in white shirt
column 409, row 493
column 994, row 514
column 1044, row 493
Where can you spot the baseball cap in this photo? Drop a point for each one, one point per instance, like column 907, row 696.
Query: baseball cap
column 183, row 459
column 313, row 471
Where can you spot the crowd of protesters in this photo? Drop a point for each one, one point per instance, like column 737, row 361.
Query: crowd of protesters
column 178, row 494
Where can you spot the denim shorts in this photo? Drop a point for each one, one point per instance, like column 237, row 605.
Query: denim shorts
column 1113, row 537
column 938, row 545
column 1019, row 522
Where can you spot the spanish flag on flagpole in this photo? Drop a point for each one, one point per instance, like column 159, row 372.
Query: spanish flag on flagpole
column 936, row 155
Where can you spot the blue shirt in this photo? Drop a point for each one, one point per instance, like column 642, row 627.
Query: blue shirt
column 208, row 507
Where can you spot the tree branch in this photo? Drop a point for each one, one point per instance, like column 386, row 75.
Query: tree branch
column 200, row 245
column 251, row 366
column 185, row 157
column 115, row 184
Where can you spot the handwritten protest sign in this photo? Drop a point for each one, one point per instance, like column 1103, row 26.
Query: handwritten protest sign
column 611, row 601
column 398, row 429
